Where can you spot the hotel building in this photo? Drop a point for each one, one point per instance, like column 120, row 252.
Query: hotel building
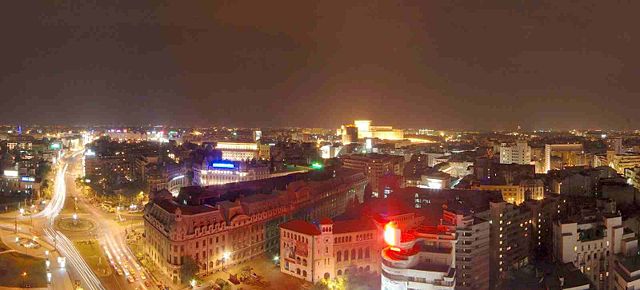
column 233, row 223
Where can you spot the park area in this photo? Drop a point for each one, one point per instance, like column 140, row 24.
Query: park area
column 93, row 255
column 19, row 270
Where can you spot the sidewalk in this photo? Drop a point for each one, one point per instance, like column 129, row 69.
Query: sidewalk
column 59, row 277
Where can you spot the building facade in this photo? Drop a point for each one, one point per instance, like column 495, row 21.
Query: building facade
column 230, row 232
column 519, row 153
column 420, row 258
column 374, row 166
column 329, row 249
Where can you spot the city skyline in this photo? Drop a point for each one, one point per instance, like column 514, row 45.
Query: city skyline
column 475, row 66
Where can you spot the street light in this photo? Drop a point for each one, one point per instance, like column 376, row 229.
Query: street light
column 193, row 283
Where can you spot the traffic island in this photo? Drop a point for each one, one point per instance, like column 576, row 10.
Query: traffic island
column 76, row 224
column 92, row 253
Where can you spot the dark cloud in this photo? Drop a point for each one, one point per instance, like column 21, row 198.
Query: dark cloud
column 459, row 64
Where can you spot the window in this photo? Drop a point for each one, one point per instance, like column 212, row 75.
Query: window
column 339, row 258
column 353, row 254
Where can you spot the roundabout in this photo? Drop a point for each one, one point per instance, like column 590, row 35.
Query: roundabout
column 75, row 224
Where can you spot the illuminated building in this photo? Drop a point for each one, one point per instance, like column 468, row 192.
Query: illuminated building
column 591, row 244
column 510, row 240
column 419, row 258
column 519, row 153
column 96, row 165
column 435, row 180
column 621, row 162
column 532, row 188
column 349, row 134
column 238, row 151
column 633, row 176
column 560, row 156
column 203, row 224
column 374, row 166
column 329, row 151
column 511, row 193
column 329, row 249
column 365, row 130
column 221, row 172
column 472, row 248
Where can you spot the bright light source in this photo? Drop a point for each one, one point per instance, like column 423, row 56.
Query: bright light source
column 75, row 216
column 193, row 283
column 226, row 255
column 391, row 234
column 316, row 165
column 11, row 173
column 276, row 258
column 49, row 277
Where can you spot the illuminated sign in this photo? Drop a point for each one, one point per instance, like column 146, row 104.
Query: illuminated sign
column 55, row 146
column 89, row 152
column 27, row 178
column 11, row 173
column 222, row 165
column 316, row 165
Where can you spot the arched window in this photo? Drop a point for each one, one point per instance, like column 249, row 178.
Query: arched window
column 346, row 255
column 367, row 268
column 360, row 253
column 367, row 253
column 298, row 271
column 353, row 254
column 339, row 258
column 327, row 276
column 339, row 272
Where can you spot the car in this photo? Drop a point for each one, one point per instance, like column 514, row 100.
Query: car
column 130, row 279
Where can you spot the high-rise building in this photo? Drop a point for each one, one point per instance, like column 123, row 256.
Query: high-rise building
column 472, row 248
column 510, row 240
column 374, row 166
column 349, row 134
column 519, row 153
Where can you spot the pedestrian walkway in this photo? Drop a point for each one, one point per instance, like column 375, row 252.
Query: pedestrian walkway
column 60, row 279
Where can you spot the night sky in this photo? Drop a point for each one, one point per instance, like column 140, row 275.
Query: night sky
column 439, row 64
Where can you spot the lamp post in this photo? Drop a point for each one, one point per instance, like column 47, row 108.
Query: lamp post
column 225, row 256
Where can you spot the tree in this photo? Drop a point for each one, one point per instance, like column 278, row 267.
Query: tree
column 189, row 269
